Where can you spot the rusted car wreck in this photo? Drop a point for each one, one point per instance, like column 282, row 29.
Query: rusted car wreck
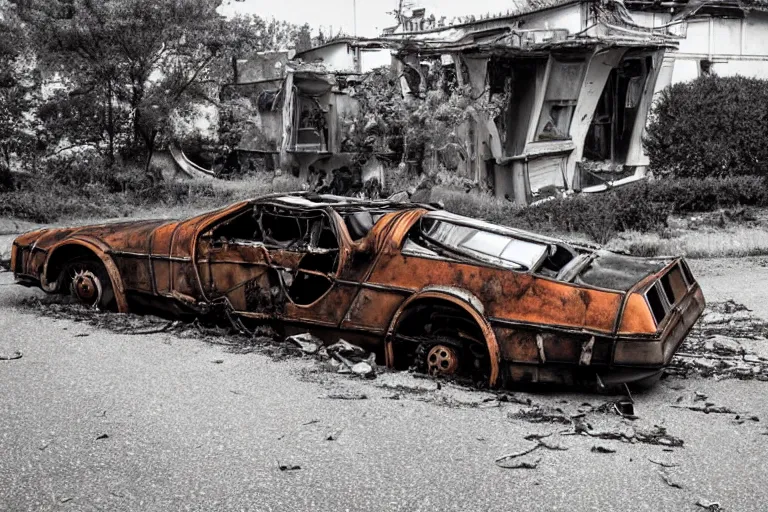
column 417, row 285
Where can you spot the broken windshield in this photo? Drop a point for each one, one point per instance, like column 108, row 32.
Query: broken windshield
column 493, row 247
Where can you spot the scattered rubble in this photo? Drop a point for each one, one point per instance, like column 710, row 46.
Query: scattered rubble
column 602, row 449
column 306, row 342
column 541, row 414
column 501, row 461
column 347, row 396
column 710, row 506
column 668, row 480
column 727, row 342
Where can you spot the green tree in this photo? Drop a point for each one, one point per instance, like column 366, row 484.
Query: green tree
column 132, row 63
column 18, row 94
column 712, row 126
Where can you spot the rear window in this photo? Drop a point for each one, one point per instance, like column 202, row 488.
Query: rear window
column 674, row 285
column 687, row 273
column 509, row 251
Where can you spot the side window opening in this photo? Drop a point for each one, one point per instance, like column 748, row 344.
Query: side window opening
column 241, row 228
column 560, row 100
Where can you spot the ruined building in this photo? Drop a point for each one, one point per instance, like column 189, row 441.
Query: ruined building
column 575, row 78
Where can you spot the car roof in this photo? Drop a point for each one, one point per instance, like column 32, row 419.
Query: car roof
column 344, row 204
column 341, row 204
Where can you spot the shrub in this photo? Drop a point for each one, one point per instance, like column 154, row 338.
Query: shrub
column 599, row 216
column 688, row 195
column 713, row 126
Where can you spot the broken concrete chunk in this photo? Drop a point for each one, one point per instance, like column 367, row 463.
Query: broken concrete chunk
column 726, row 346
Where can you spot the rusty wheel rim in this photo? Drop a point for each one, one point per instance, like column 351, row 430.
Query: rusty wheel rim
column 442, row 360
column 87, row 287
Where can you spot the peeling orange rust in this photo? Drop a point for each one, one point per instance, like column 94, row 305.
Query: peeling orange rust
column 407, row 281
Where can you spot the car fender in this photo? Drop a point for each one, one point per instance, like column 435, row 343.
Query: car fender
column 100, row 250
column 465, row 300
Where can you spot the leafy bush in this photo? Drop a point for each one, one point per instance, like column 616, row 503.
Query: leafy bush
column 713, row 126
column 687, row 195
column 598, row 216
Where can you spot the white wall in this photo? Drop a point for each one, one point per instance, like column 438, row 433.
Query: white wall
column 372, row 59
column 335, row 57
column 734, row 46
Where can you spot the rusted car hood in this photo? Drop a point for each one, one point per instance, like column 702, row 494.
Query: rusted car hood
column 120, row 235
column 613, row 271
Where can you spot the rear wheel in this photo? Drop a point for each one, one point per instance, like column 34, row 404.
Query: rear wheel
column 88, row 282
column 453, row 358
column 443, row 341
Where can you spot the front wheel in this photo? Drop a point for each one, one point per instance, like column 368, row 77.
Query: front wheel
column 89, row 283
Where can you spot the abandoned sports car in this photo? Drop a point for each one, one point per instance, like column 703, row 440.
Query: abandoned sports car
column 420, row 286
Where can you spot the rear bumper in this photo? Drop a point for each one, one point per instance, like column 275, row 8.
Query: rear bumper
column 657, row 352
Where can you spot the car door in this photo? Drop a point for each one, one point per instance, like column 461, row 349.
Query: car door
column 235, row 267
column 307, row 248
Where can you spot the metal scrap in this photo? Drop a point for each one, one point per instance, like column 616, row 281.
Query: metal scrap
column 306, row 342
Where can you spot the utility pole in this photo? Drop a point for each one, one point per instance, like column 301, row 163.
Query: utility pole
column 354, row 15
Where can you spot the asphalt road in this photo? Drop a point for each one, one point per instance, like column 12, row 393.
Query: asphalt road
column 95, row 420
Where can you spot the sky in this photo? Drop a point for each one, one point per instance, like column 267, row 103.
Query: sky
column 372, row 15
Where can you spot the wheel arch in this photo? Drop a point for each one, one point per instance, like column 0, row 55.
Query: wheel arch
column 62, row 252
column 458, row 297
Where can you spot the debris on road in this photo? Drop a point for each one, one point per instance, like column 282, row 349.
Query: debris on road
column 103, row 436
column 708, row 408
column 655, row 436
column 668, row 480
column 709, row 506
column 539, row 444
column 306, row 342
column 347, row 396
column 334, row 435
column 727, row 342
column 541, row 414
column 664, row 464
column 288, row 467
column 522, row 464
column 602, row 449
column 15, row 355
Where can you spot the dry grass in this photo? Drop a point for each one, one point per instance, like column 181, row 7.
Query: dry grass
column 734, row 241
